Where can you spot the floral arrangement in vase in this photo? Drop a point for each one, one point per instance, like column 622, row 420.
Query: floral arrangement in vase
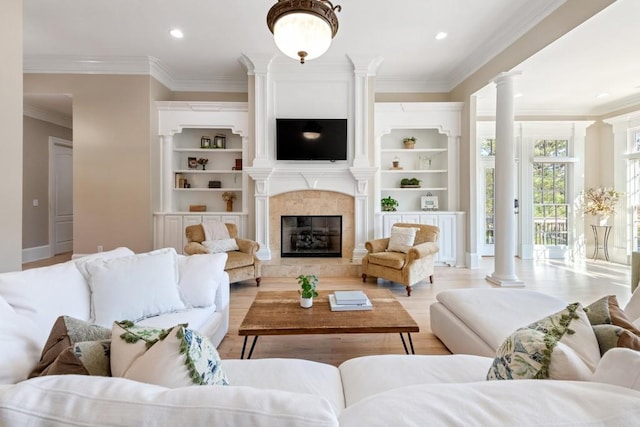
column 229, row 197
column 601, row 201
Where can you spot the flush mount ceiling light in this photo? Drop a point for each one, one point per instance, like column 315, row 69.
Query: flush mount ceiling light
column 303, row 29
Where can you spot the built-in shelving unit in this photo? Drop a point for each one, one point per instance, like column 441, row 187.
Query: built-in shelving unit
column 191, row 194
column 433, row 161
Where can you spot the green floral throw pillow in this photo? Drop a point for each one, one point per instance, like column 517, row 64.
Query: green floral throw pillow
column 175, row 357
column 539, row 351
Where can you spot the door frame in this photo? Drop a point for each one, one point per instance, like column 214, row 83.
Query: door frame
column 53, row 141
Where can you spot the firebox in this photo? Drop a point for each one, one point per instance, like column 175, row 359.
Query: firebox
column 311, row 236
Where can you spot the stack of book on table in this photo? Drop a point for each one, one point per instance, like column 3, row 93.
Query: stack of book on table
column 349, row 301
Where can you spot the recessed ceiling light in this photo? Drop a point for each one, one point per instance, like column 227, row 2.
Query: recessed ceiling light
column 176, row 33
column 602, row 95
column 441, row 35
column 518, row 95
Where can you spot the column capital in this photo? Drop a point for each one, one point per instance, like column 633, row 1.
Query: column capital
column 506, row 76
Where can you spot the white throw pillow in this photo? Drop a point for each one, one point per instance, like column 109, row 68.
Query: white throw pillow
column 82, row 262
column 20, row 348
column 43, row 294
column 222, row 245
column 181, row 358
column 621, row 367
column 402, row 239
column 134, row 287
column 200, row 277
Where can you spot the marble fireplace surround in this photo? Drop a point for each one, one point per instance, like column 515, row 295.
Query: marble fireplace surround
column 312, row 202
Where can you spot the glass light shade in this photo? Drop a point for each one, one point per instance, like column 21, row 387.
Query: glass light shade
column 302, row 32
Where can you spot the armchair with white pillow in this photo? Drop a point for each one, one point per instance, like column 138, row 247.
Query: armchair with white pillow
column 406, row 257
column 242, row 262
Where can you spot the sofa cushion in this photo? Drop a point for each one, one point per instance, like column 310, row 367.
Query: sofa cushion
column 238, row 259
column 366, row 376
column 82, row 401
column 498, row 403
column 196, row 317
column 200, row 278
column 290, row 375
column 221, row 245
column 20, row 349
column 402, row 238
column 559, row 346
column 510, row 309
column 394, row 260
column 60, row 355
column 43, row 294
column 180, row 358
column 134, row 287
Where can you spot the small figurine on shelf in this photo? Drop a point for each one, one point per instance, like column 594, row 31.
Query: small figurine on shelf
column 229, row 197
column 203, row 161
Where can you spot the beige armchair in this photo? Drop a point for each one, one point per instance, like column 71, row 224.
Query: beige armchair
column 416, row 265
column 241, row 264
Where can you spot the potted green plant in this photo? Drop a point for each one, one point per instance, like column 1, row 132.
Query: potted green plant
column 410, row 183
column 389, row 204
column 308, row 284
column 409, row 142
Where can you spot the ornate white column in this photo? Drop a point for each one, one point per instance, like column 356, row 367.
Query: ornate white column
column 261, row 179
column 257, row 65
column 363, row 68
column 361, row 212
column 505, row 220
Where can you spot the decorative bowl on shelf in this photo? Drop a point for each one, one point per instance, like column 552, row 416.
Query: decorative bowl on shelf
column 410, row 183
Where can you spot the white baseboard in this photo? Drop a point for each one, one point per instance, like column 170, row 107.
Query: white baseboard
column 36, row 254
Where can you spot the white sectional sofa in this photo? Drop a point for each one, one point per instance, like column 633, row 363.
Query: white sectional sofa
column 385, row 390
column 459, row 317
column 31, row 300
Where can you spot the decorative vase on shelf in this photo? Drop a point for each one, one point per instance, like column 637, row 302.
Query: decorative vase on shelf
column 229, row 205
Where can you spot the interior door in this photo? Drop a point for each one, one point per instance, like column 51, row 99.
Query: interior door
column 61, row 202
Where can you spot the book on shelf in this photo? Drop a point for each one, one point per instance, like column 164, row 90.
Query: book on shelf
column 348, row 307
column 350, row 297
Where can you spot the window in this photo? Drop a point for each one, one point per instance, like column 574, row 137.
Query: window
column 488, row 147
column 633, row 185
column 550, row 185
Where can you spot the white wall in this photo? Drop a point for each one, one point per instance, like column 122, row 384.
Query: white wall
column 11, row 144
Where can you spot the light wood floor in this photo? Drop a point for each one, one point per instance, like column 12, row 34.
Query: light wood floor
column 584, row 282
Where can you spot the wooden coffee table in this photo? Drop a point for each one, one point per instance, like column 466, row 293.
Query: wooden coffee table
column 279, row 313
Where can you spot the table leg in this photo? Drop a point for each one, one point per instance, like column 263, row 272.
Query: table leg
column 253, row 344
column 607, row 230
column 596, row 243
column 404, row 344
column 244, row 345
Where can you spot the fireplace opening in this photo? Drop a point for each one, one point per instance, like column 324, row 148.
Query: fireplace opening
column 311, row 236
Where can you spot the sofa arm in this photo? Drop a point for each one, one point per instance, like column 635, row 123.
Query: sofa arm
column 222, row 299
column 422, row 250
column 247, row 246
column 378, row 245
column 193, row 248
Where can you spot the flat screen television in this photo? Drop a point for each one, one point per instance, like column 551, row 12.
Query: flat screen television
column 311, row 139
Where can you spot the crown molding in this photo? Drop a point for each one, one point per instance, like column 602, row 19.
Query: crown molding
column 398, row 85
column 620, row 104
column 530, row 16
column 142, row 65
column 47, row 116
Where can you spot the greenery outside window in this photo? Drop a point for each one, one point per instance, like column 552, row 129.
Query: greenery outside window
column 550, row 187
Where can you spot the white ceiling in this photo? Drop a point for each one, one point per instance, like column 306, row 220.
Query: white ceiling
column 67, row 35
